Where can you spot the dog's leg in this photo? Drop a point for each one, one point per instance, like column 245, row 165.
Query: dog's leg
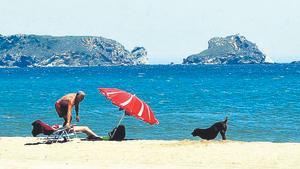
column 223, row 135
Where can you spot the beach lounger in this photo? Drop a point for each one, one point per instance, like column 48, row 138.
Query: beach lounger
column 55, row 133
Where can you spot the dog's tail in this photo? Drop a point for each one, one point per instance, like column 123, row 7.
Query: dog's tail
column 225, row 121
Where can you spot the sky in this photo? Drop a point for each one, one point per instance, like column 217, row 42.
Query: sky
column 170, row 30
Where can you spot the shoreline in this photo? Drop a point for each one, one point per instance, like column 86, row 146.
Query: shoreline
column 147, row 154
column 166, row 140
column 141, row 65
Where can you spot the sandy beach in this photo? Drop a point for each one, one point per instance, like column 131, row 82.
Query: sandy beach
column 76, row 154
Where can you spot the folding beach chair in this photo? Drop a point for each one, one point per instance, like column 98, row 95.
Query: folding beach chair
column 55, row 133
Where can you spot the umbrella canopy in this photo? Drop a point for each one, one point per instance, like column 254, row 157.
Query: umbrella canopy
column 132, row 105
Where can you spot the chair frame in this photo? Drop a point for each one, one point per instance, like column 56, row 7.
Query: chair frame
column 61, row 135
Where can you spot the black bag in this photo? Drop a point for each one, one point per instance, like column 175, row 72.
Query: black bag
column 118, row 133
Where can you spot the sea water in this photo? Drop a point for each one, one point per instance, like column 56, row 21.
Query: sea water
column 262, row 102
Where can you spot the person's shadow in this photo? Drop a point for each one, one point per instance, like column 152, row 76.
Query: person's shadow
column 44, row 142
column 37, row 143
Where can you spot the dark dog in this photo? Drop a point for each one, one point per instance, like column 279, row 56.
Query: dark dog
column 212, row 132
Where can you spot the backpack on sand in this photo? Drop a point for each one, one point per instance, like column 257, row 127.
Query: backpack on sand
column 118, row 133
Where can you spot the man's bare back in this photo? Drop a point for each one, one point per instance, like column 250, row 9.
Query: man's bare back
column 69, row 97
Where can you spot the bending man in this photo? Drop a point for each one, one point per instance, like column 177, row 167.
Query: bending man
column 64, row 107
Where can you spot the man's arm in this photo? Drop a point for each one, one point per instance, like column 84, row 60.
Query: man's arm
column 77, row 111
column 69, row 114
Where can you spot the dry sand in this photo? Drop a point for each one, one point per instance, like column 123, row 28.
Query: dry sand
column 152, row 154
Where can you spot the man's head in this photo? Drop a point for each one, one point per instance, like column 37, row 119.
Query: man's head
column 80, row 96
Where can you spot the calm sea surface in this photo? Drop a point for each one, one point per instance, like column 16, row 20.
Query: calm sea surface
column 262, row 102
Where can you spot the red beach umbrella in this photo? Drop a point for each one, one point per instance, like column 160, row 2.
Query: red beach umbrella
column 132, row 105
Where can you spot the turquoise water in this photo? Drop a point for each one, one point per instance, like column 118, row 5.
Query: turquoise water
column 262, row 102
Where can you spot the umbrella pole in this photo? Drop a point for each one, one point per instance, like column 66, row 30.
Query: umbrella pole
column 122, row 117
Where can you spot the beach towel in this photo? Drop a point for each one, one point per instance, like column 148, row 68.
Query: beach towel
column 41, row 127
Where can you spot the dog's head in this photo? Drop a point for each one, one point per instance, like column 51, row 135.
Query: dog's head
column 196, row 132
column 225, row 121
column 224, row 124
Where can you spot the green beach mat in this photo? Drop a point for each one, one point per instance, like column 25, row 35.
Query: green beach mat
column 105, row 138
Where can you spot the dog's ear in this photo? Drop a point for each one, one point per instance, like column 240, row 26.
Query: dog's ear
column 225, row 121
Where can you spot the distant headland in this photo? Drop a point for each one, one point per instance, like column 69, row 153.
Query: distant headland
column 233, row 49
column 51, row 51
column 295, row 62
column 23, row 50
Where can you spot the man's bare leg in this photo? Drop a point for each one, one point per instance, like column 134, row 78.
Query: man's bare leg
column 86, row 130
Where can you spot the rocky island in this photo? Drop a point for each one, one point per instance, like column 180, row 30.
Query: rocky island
column 234, row 49
column 48, row 51
column 295, row 62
